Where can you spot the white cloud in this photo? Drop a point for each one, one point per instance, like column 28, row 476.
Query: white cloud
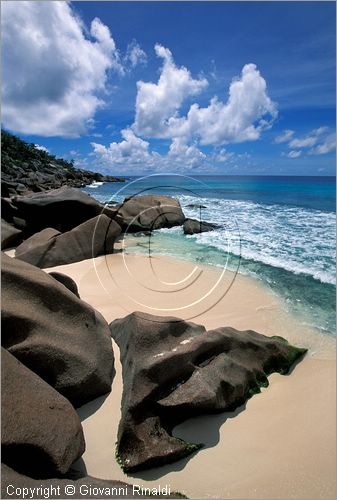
column 241, row 118
column 294, row 154
column 319, row 140
column 284, row 137
column 157, row 103
column 131, row 152
column 135, row 55
column 328, row 145
column 41, row 148
column 182, row 154
column 53, row 72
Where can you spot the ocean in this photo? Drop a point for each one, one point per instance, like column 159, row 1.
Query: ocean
column 280, row 230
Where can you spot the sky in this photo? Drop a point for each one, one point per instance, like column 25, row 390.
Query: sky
column 133, row 88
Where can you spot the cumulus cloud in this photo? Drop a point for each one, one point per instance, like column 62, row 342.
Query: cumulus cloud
column 294, row 154
column 187, row 155
column 284, row 137
column 133, row 154
column 54, row 72
column 247, row 112
column 157, row 103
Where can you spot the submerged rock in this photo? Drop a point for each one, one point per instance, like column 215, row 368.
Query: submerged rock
column 41, row 433
column 193, row 226
column 174, row 370
column 148, row 212
column 50, row 248
column 55, row 334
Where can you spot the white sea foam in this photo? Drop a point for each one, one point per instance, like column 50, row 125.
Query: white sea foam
column 296, row 239
column 95, row 184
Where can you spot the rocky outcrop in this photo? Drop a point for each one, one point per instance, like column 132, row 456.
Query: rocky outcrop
column 82, row 487
column 148, row 212
column 50, row 248
column 66, row 281
column 174, row 370
column 62, row 209
column 26, row 168
column 41, row 434
column 193, row 226
column 55, row 334
column 10, row 236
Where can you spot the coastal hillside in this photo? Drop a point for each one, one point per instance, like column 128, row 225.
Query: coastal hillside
column 26, row 168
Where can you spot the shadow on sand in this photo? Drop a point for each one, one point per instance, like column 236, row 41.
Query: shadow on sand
column 203, row 429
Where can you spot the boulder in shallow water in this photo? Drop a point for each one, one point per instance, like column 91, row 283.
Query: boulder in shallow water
column 55, row 334
column 49, row 248
column 41, row 433
column 148, row 212
column 193, row 226
column 174, row 370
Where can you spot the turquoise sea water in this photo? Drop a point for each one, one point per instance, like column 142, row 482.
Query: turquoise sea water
column 278, row 229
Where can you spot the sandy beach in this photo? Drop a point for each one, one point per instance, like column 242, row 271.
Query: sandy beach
column 280, row 445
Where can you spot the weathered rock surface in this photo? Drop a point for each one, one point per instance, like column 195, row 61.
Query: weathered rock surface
column 41, row 433
column 193, row 226
column 173, row 370
column 148, row 212
column 83, row 487
column 50, row 248
column 55, row 334
column 62, row 209
column 66, row 281
column 10, row 236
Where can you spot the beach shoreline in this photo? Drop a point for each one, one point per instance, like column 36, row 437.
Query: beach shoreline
column 281, row 445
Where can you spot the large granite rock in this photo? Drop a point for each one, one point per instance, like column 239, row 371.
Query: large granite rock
column 82, row 487
column 148, row 212
column 193, row 226
column 62, row 209
column 41, row 433
column 55, row 334
column 66, row 281
column 174, row 370
column 49, row 247
column 10, row 236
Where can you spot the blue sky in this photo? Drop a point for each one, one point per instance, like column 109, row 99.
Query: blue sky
column 244, row 88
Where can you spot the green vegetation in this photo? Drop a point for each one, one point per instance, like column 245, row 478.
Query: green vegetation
column 15, row 151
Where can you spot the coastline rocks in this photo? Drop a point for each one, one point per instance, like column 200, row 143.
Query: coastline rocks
column 193, row 226
column 41, row 434
column 62, row 209
column 174, row 370
column 55, row 334
column 26, row 168
column 50, row 248
column 10, row 236
column 148, row 212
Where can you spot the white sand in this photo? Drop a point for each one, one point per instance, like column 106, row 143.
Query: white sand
column 282, row 445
